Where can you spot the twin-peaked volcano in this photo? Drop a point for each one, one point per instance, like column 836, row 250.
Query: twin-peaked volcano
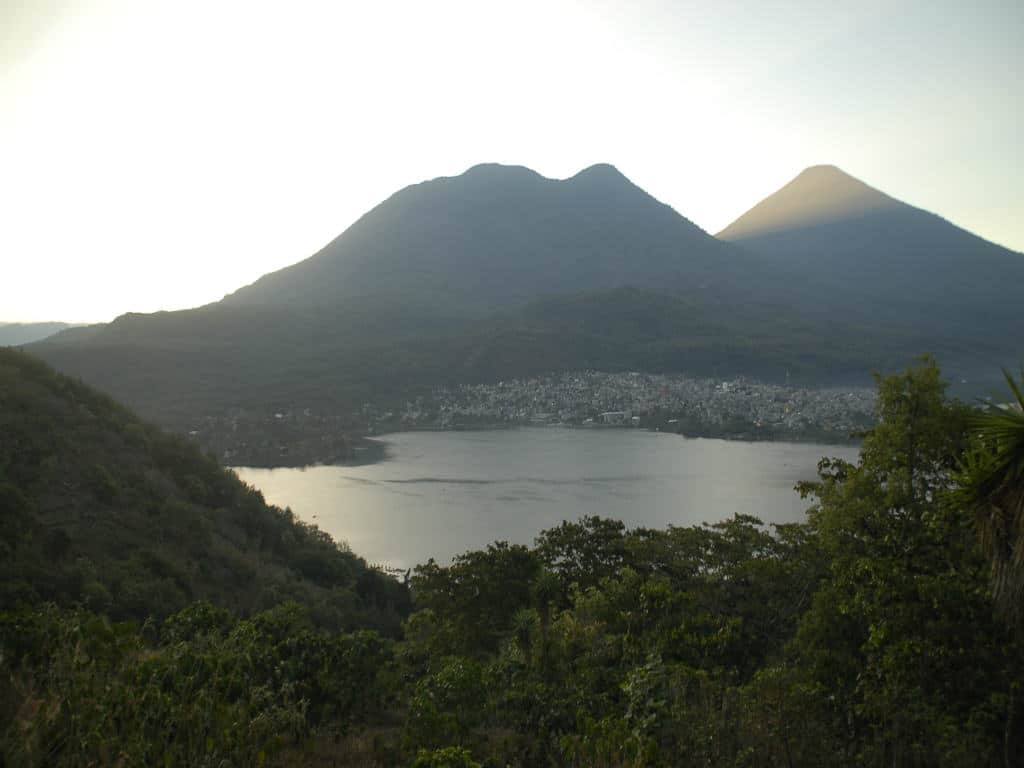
column 498, row 237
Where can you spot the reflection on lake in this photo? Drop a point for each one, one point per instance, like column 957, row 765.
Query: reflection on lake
column 442, row 493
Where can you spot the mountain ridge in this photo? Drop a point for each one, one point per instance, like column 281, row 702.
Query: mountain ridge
column 481, row 239
column 500, row 272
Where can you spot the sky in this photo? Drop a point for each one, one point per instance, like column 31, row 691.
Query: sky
column 158, row 155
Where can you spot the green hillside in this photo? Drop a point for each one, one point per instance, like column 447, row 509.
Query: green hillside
column 178, row 367
column 100, row 509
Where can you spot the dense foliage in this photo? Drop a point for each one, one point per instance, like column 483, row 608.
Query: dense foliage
column 865, row 636
column 202, row 689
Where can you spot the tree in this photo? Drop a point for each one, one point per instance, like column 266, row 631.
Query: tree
column 585, row 551
column 900, row 641
column 990, row 484
column 478, row 594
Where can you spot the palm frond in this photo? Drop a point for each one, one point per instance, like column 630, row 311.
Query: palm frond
column 990, row 483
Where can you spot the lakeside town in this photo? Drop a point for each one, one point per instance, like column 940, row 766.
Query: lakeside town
column 738, row 408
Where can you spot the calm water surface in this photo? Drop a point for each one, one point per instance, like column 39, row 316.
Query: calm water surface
column 442, row 493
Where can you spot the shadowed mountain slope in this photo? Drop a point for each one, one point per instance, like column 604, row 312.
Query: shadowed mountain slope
column 497, row 237
column 867, row 253
column 431, row 284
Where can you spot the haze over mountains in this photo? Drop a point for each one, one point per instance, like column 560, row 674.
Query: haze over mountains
column 13, row 334
column 500, row 272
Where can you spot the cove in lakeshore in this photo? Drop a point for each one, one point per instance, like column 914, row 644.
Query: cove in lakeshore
column 438, row 494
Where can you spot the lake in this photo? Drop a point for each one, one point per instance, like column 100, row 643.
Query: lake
column 439, row 494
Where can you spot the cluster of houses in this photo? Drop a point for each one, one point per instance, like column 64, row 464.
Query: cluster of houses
column 593, row 398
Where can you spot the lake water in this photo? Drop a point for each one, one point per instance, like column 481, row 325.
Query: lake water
column 442, row 493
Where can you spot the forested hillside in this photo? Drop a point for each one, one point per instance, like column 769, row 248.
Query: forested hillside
column 179, row 367
column 100, row 509
column 866, row 636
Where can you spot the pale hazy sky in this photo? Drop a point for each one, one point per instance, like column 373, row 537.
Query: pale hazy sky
column 157, row 155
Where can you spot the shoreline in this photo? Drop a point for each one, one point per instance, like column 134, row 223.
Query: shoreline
column 373, row 449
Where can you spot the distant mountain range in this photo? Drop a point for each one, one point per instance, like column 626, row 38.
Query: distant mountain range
column 15, row 334
column 500, row 272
